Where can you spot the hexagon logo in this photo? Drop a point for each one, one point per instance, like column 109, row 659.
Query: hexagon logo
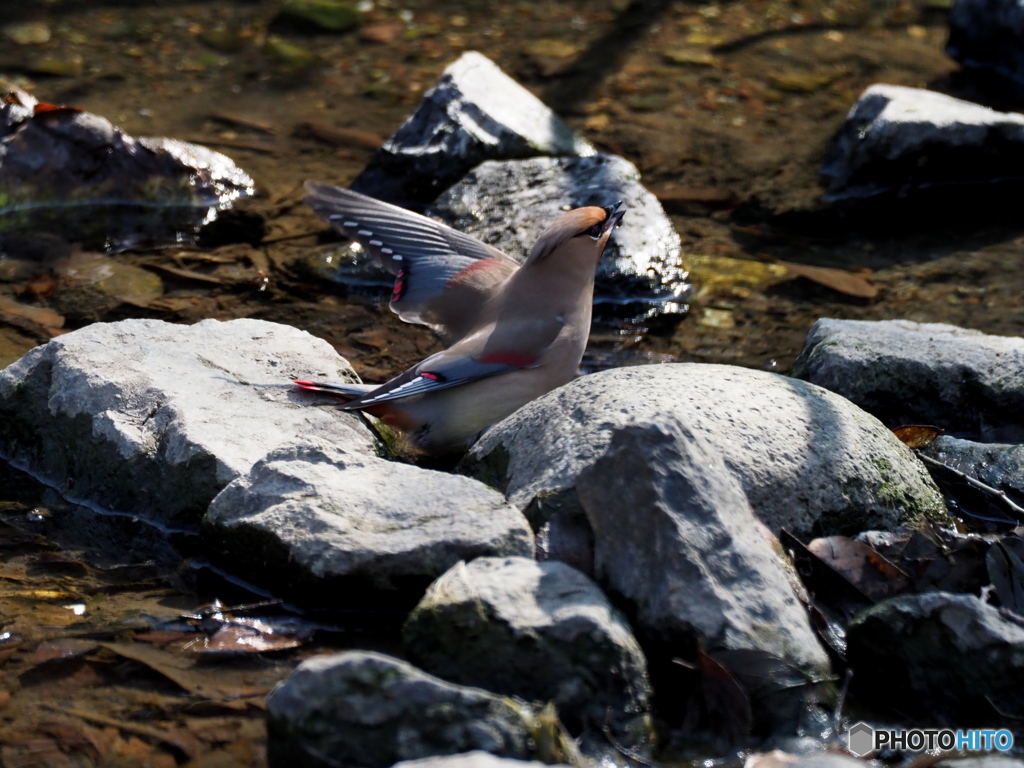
column 860, row 739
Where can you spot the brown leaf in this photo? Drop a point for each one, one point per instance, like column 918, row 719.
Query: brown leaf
column 917, row 435
column 338, row 137
column 382, row 32
column 232, row 638
column 837, row 279
column 183, row 671
column 41, row 316
column 62, row 649
column 874, row 576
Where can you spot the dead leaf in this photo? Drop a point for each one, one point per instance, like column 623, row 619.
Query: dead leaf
column 41, row 316
column 182, row 671
column 233, row 638
column 381, row 32
column 338, row 137
column 874, row 576
column 62, row 649
column 917, row 435
column 839, row 280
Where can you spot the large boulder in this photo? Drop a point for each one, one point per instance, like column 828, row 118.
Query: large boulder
column 310, row 521
column 914, row 373
column 155, row 419
column 508, row 204
column 476, row 112
column 540, row 631
column 370, row 710
column 897, row 139
column 940, row 655
column 806, row 459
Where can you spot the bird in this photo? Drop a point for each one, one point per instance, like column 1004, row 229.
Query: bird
column 515, row 331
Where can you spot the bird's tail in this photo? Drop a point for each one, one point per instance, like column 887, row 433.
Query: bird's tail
column 347, row 391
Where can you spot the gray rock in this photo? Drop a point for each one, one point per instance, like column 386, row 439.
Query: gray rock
column 476, row 112
column 539, row 631
column 72, row 173
column 480, row 759
column 369, row 710
column 154, row 419
column 921, row 373
column 675, row 536
column 996, row 464
column 806, row 459
column 309, row 519
column 939, row 655
column 897, row 139
column 508, row 204
column 988, row 35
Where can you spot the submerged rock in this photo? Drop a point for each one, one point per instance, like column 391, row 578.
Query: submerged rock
column 369, row 710
column 508, row 204
column 63, row 171
column 940, row 655
column 476, row 112
column 312, row 521
column 540, row 631
column 154, row 419
column 896, row 139
column 807, row 460
column 921, row 373
column 988, row 35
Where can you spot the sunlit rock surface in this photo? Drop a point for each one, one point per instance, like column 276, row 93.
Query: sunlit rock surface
column 319, row 523
column 68, row 172
column 896, row 139
column 480, row 759
column 539, row 631
column 476, row 112
column 153, row 418
column 367, row 709
column 808, row 460
column 921, row 373
column 508, row 204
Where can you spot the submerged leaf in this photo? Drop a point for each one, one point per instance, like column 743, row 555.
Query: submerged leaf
column 874, row 576
column 917, row 435
column 839, row 280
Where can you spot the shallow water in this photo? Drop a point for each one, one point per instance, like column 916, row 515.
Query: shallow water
column 726, row 108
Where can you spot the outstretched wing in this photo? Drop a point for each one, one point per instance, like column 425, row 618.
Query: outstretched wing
column 442, row 276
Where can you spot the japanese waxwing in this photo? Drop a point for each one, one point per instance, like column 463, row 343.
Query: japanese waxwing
column 516, row 332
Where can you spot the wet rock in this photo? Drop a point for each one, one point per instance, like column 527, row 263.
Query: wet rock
column 508, row 204
column 27, row 32
column 896, row 139
column 480, row 759
column 370, row 710
column 540, row 631
column 154, row 419
column 807, row 460
column 319, row 15
column 476, row 112
column 999, row 465
column 921, row 373
column 356, row 528
column 939, row 655
column 987, row 35
column 64, row 171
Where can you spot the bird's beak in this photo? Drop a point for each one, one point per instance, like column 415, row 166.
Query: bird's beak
column 614, row 217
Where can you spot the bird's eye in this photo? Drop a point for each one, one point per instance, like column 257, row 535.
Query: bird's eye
column 595, row 231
